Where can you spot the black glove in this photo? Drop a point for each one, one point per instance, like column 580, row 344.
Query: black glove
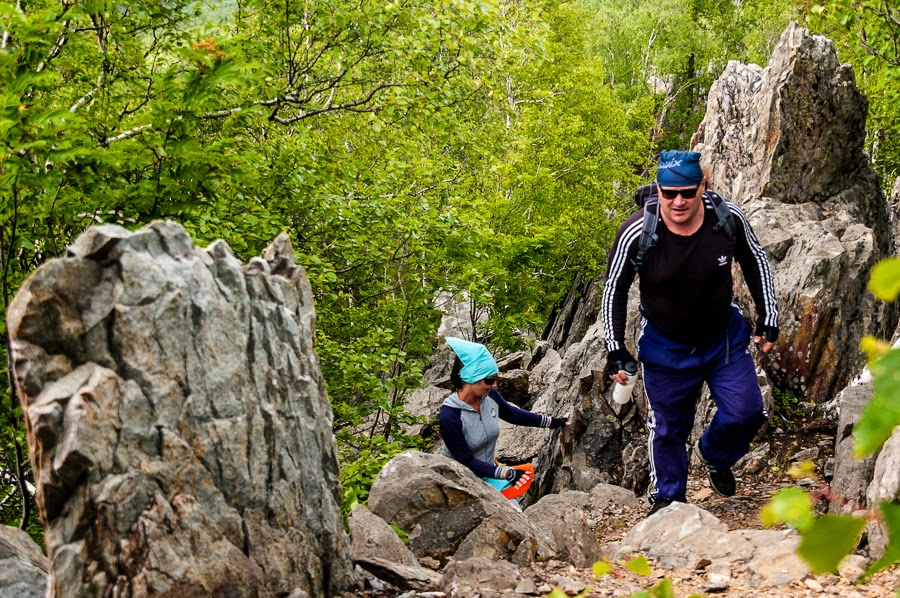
column 558, row 422
column 770, row 333
column 617, row 359
column 514, row 475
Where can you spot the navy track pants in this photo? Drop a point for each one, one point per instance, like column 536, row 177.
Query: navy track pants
column 673, row 376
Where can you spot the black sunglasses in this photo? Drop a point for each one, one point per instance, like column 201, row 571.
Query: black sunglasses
column 490, row 380
column 685, row 193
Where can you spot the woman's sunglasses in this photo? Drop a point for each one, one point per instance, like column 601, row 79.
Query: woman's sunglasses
column 490, row 381
column 685, row 193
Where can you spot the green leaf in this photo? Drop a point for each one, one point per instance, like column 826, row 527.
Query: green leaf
column 602, row 568
column 828, row 540
column 640, row 566
column 873, row 347
column 792, row 506
column 882, row 414
column 885, row 280
column 663, row 589
column 890, row 511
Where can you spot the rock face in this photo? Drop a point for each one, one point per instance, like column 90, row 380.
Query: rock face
column 178, row 423
column 786, row 143
column 448, row 512
column 851, row 474
column 23, row 567
column 885, row 486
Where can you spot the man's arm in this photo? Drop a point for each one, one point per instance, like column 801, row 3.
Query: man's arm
column 755, row 266
column 619, row 277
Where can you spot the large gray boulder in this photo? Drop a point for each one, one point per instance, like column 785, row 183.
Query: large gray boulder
column 178, row 424
column 372, row 537
column 23, row 566
column 786, row 143
column 446, row 511
column 563, row 517
column 685, row 536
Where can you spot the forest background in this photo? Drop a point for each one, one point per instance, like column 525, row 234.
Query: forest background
column 411, row 148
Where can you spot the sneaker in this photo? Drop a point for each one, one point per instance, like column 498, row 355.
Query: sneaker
column 720, row 478
column 658, row 505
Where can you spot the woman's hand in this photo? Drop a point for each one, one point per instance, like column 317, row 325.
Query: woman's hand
column 517, row 477
column 559, row 422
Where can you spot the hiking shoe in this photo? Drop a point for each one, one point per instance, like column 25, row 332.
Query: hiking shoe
column 658, row 505
column 720, row 478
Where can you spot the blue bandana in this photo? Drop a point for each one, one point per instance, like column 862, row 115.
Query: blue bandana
column 679, row 169
column 476, row 359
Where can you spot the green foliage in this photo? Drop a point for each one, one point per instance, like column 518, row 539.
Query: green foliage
column 882, row 413
column 786, row 406
column 885, row 280
column 601, row 568
column 828, row 540
column 825, row 540
column 640, row 566
column 866, row 33
column 671, row 51
column 663, row 589
column 792, row 506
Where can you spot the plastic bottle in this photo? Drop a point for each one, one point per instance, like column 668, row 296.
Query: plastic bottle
column 622, row 392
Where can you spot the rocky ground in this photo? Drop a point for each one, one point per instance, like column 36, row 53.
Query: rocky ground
column 764, row 473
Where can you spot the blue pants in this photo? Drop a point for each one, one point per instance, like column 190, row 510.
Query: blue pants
column 673, row 376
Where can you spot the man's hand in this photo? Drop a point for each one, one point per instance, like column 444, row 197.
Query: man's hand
column 769, row 332
column 615, row 365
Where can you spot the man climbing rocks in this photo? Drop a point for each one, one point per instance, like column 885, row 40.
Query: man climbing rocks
column 691, row 331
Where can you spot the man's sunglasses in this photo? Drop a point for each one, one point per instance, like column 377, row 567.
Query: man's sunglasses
column 685, row 193
column 490, row 381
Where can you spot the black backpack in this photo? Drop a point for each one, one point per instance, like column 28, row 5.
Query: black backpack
column 647, row 197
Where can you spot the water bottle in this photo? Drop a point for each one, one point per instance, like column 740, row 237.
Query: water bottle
column 622, row 392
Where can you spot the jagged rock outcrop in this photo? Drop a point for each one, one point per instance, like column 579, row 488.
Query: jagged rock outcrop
column 786, row 143
column 448, row 512
column 23, row 567
column 178, row 424
column 571, row 320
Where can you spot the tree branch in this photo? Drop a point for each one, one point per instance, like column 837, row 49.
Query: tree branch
column 349, row 106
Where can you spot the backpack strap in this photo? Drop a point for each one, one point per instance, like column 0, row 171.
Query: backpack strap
column 725, row 220
column 648, row 236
